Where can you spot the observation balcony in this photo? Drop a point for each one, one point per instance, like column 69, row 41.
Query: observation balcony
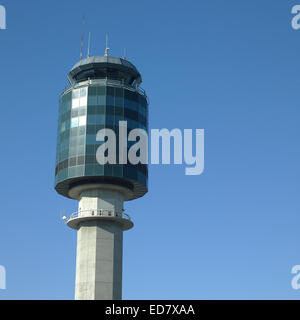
column 120, row 217
column 106, row 82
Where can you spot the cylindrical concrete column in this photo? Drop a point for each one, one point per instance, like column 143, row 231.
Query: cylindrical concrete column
column 99, row 247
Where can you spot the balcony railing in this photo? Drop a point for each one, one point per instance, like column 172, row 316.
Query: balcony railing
column 97, row 212
column 105, row 82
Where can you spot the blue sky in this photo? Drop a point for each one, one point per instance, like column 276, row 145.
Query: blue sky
column 230, row 67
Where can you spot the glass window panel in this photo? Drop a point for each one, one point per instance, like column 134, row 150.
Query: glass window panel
column 92, row 100
column 69, row 105
column 74, row 123
column 83, row 92
column 76, row 93
column 82, row 121
column 81, row 131
column 90, row 129
column 119, row 92
column 91, row 119
column 81, row 149
column 92, row 109
column 110, row 110
column 110, row 100
column 110, row 91
column 74, row 132
column 89, row 170
column 99, row 170
column 75, row 113
column 108, row 170
column 80, row 170
column 117, row 170
column 110, row 119
column 83, row 101
column 80, row 160
column 82, row 111
column 63, row 127
column 119, row 111
column 73, row 151
column 81, row 140
column 91, row 139
column 101, row 91
column 72, row 162
column 100, row 119
column 73, row 142
column 93, row 91
column 75, row 103
column 101, row 100
column 72, row 172
column 90, row 149
column 100, row 109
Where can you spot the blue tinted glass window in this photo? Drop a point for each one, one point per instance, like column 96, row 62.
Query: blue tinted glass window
column 110, row 100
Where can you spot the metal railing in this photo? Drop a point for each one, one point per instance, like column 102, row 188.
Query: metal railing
column 106, row 81
column 97, row 212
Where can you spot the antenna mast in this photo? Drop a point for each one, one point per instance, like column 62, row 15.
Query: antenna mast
column 89, row 45
column 107, row 48
column 82, row 36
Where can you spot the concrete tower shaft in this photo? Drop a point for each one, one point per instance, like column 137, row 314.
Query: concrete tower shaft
column 100, row 222
column 99, row 261
column 99, row 246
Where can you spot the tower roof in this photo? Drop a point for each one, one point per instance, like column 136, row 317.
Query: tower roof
column 104, row 66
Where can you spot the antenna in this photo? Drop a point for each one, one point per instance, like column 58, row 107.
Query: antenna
column 107, row 48
column 82, row 36
column 124, row 54
column 89, row 45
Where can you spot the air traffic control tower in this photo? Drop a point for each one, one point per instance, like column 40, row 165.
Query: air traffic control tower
column 104, row 90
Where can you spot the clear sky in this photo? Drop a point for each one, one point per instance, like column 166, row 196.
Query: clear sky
column 230, row 67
